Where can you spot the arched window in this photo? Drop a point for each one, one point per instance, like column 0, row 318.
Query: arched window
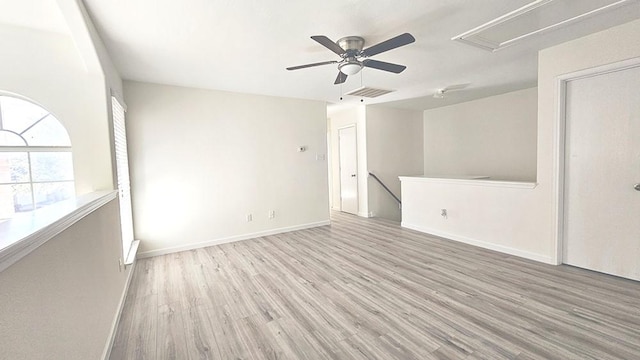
column 36, row 167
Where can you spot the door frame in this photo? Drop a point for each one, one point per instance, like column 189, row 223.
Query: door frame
column 560, row 142
column 354, row 126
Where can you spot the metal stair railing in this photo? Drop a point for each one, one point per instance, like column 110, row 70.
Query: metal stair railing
column 386, row 188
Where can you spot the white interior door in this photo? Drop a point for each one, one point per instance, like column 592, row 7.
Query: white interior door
column 602, row 166
column 348, row 170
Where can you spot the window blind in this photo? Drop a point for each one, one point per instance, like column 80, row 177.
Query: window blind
column 122, row 173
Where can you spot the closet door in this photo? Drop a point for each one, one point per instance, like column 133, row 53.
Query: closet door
column 602, row 173
column 348, row 170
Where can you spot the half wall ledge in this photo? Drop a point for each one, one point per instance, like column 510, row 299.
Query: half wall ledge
column 471, row 180
column 24, row 233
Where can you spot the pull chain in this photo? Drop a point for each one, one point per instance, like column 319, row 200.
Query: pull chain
column 361, row 82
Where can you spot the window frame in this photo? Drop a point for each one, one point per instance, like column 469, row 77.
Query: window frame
column 30, row 149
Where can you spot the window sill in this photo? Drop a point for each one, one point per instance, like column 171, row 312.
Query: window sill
column 133, row 252
column 26, row 232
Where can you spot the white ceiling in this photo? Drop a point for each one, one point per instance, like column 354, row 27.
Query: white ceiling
column 245, row 45
column 36, row 14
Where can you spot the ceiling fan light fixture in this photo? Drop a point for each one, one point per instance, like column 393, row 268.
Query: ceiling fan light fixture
column 350, row 68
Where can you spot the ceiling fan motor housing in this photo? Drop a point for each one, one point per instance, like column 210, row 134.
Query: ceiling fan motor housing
column 353, row 45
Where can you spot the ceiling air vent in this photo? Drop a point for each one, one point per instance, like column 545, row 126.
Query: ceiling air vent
column 534, row 18
column 368, row 92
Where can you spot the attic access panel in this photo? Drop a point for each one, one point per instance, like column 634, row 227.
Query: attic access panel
column 534, row 18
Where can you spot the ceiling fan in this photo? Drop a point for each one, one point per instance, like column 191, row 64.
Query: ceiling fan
column 354, row 58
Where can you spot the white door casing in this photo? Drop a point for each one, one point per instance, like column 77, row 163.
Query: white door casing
column 348, row 170
column 601, row 230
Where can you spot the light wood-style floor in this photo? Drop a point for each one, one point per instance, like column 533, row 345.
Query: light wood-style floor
column 368, row 289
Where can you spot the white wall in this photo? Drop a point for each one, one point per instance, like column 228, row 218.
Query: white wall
column 202, row 160
column 340, row 119
column 521, row 220
column 494, row 215
column 494, row 136
column 60, row 301
column 394, row 148
column 46, row 68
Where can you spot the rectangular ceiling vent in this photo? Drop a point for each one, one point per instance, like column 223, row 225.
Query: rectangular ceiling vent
column 368, row 92
column 534, row 18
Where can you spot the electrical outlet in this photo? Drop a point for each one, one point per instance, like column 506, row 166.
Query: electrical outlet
column 249, row 217
column 272, row 214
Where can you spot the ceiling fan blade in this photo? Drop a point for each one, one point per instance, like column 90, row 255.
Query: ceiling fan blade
column 311, row 65
column 326, row 42
column 381, row 65
column 392, row 43
column 341, row 78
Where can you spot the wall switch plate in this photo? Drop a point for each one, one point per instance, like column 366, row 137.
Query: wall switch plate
column 272, row 214
column 320, row 157
column 249, row 217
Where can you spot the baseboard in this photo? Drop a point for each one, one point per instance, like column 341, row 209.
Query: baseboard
column 229, row 239
column 363, row 214
column 106, row 353
column 482, row 244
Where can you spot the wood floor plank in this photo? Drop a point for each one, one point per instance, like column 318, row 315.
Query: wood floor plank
column 227, row 334
column 257, row 338
column 200, row 338
column 369, row 289
column 136, row 337
column 296, row 345
column 171, row 342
